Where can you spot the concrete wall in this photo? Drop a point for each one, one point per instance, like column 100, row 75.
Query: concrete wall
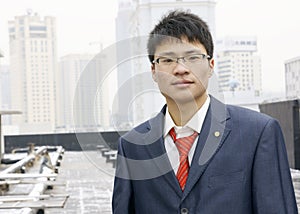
column 287, row 113
column 70, row 141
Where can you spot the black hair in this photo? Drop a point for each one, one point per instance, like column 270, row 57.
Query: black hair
column 180, row 25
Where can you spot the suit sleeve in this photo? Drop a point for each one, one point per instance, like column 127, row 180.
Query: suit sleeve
column 272, row 187
column 122, row 200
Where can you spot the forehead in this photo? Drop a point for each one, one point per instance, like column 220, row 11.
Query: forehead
column 178, row 47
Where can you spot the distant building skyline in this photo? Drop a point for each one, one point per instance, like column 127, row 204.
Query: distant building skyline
column 77, row 86
column 238, row 64
column 129, row 24
column 1, row 91
column 77, row 28
column 33, row 67
column 292, row 77
column 70, row 68
column 5, row 98
column 5, row 91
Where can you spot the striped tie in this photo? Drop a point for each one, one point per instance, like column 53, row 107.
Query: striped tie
column 183, row 145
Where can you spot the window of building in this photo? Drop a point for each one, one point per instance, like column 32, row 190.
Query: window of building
column 11, row 30
column 37, row 28
column 38, row 35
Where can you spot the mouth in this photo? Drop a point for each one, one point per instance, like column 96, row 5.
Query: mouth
column 182, row 83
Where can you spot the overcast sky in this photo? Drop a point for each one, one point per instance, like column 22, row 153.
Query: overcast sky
column 82, row 24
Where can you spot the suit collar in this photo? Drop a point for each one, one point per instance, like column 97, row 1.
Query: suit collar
column 217, row 109
column 195, row 123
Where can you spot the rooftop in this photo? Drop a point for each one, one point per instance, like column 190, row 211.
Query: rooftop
column 89, row 182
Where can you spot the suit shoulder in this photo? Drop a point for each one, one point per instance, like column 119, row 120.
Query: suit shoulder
column 247, row 114
column 155, row 124
column 134, row 132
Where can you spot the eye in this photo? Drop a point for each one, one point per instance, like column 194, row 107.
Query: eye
column 193, row 57
column 166, row 60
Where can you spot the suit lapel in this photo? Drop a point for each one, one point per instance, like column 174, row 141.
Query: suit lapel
column 211, row 138
column 155, row 134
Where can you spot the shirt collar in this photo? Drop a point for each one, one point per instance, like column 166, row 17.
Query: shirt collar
column 195, row 123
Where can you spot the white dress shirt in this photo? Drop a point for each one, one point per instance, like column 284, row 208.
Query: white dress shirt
column 194, row 124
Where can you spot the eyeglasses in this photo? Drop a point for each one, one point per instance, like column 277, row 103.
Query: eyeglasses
column 189, row 60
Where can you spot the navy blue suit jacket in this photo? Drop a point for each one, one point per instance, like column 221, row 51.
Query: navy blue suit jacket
column 240, row 166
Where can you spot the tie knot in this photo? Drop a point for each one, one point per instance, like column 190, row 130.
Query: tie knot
column 183, row 144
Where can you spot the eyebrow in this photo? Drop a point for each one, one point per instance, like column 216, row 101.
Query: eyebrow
column 193, row 52
column 170, row 53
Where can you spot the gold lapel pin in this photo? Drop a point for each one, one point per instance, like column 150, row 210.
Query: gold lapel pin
column 217, row 134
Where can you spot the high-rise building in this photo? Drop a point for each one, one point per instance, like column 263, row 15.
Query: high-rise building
column 5, row 98
column 33, row 66
column 139, row 97
column 238, row 65
column 82, row 98
column 5, row 93
column 1, row 55
column 83, row 93
column 70, row 68
column 292, row 77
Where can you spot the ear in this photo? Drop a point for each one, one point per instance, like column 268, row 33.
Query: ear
column 153, row 72
column 211, row 66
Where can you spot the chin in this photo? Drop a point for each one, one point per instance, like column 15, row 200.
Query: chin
column 182, row 100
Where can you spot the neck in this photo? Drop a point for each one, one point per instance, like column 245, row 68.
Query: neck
column 181, row 113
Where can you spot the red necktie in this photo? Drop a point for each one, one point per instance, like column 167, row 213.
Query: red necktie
column 183, row 145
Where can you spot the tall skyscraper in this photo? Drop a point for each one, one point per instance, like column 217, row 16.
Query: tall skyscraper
column 1, row 55
column 70, row 68
column 238, row 65
column 5, row 92
column 5, row 98
column 292, row 77
column 82, row 98
column 33, row 66
column 134, row 22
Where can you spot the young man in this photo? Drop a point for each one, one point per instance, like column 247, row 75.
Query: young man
column 199, row 155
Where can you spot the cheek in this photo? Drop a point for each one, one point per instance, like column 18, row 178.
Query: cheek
column 203, row 77
column 162, row 77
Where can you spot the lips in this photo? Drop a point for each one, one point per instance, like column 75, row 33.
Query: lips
column 182, row 82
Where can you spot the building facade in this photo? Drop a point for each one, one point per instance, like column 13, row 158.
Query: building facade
column 292, row 77
column 70, row 68
column 5, row 88
column 1, row 92
column 135, row 20
column 238, row 65
column 82, row 99
column 33, row 67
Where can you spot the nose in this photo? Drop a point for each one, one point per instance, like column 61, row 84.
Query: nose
column 180, row 67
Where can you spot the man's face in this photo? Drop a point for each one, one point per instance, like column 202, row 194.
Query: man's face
column 185, row 79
